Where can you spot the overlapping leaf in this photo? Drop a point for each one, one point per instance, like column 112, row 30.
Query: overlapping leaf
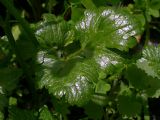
column 150, row 62
column 113, row 28
column 45, row 114
column 71, row 79
column 141, row 81
column 53, row 32
column 108, row 61
column 129, row 105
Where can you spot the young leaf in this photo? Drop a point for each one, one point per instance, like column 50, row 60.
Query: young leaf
column 72, row 79
column 102, row 87
column 108, row 26
column 54, row 33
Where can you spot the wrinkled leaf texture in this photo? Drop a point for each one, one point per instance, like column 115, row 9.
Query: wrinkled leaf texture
column 75, row 78
column 150, row 61
column 111, row 27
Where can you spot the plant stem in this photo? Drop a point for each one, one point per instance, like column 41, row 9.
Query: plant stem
column 74, row 54
column 147, row 34
column 147, row 37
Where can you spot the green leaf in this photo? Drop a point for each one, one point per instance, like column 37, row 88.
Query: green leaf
column 76, row 13
column 108, row 61
column 61, row 106
column 45, row 114
column 99, row 3
column 9, row 79
column 154, row 12
column 88, row 4
column 52, row 33
column 112, row 27
column 141, row 81
column 114, row 2
column 72, row 79
column 21, row 114
column 129, row 105
column 150, row 61
column 141, row 4
column 100, row 99
column 102, row 87
column 94, row 111
column 12, row 101
column 155, row 4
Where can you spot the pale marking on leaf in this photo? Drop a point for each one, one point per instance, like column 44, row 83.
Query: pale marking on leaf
column 104, row 61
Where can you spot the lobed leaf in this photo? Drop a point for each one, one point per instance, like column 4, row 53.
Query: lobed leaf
column 108, row 61
column 111, row 27
column 52, row 33
column 72, row 79
column 141, row 81
column 150, row 61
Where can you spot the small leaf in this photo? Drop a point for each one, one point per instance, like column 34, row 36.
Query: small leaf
column 154, row 12
column 12, row 101
column 45, row 114
column 100, row 99
column 102, row 87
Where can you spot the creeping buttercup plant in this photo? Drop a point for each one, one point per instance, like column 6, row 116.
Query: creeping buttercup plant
column 56, row 68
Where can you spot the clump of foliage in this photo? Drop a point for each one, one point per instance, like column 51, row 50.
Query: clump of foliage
column 83, row 60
